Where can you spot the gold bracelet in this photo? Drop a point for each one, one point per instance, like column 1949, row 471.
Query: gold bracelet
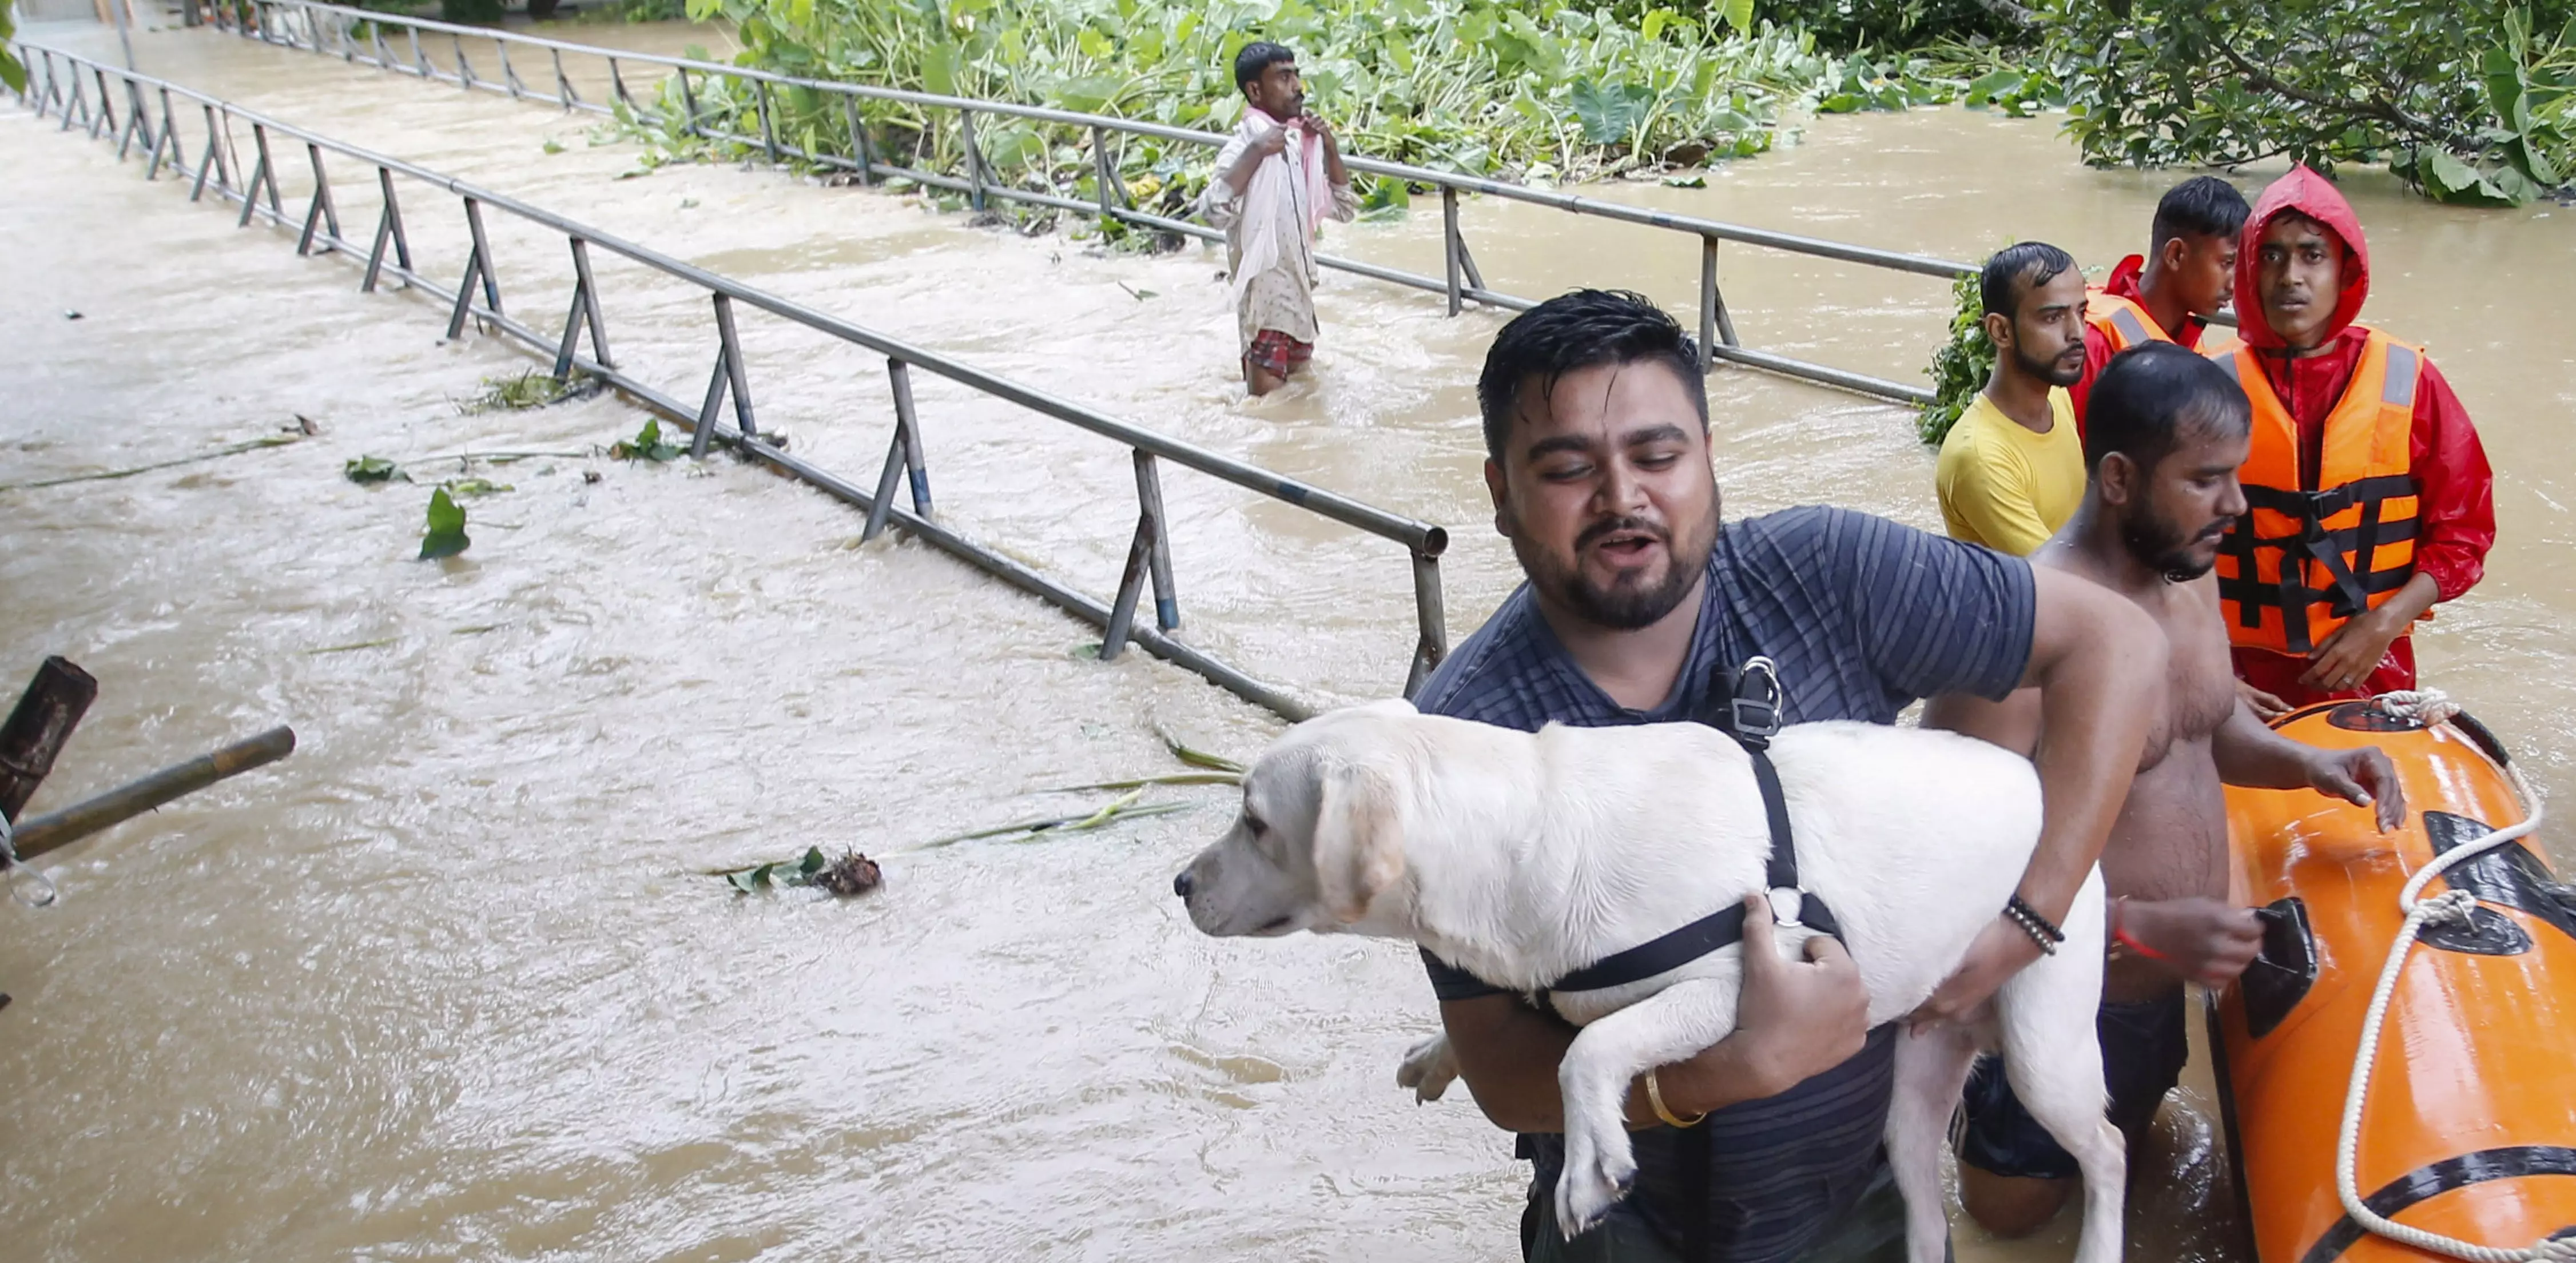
column 1655, row 1097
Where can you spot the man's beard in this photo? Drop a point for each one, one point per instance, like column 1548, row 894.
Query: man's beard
column 2048, row 370
column 2165, row 548
column 1630, row 605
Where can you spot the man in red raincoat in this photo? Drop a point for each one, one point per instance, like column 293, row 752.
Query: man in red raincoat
column 2369, row 497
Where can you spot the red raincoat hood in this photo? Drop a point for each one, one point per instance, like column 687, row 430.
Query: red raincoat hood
column 2309, row 194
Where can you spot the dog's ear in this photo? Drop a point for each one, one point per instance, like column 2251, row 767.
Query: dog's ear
column 1359, row 841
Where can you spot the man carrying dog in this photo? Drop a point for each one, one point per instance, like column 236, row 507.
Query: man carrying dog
column 1639, row 608
column 2166, row 433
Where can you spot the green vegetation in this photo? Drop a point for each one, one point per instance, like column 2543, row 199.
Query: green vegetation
column 1541, row 91
column 367, row 469
column 646, row 445
column 1960, row 367
column 11, row 73
column 531, row 389
column 852, row 874
column 2471, row 103
column 446, row 534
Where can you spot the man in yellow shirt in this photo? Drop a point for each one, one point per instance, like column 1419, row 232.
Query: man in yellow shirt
column 2012, row 470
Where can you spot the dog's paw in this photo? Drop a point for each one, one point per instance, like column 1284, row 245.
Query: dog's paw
column 1598, row 1168
column 1428, row 1068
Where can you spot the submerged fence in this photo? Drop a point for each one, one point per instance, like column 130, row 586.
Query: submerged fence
column 412, row 46
column 120, row 105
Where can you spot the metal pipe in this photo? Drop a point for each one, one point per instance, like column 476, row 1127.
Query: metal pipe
column 974, row 161
column 1158, row 558
column 768, row 133
column 1104, row 177
column 590, row 305
column 858, row 139
column 1449, row 241
column 1430, row 618
column 1707, row 301
column 39, row 834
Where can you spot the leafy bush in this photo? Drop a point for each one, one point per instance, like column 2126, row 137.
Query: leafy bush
column 1536, row 89
column 1962, row 365
column 1897, row 24
column 479, row 12
column 2469, row 102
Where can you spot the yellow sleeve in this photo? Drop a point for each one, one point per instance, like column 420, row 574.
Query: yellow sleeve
column 1989, row 499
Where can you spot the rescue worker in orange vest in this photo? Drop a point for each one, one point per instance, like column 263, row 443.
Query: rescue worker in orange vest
column 2368, row 495
column 2169, row 294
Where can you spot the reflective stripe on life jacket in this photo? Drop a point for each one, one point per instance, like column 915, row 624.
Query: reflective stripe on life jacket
column 2301, row 562
column 2125, row 323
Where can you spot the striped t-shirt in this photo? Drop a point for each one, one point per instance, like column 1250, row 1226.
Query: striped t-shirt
column 1862, row 616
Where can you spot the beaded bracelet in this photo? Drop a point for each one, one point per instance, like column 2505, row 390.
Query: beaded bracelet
column 2040, row 929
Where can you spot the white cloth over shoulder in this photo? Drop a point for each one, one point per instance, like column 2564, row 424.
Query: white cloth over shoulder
column 1270, row 227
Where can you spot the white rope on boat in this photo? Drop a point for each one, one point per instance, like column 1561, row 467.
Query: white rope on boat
column 2427, row 707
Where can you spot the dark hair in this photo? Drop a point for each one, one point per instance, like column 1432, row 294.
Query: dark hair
column 2015, row 271
column 2151, row 395
column 2202, row 206
column 1256, row 57
column 1575, row 330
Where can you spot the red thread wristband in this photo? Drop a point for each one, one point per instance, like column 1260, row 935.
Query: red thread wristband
column 2127, row 940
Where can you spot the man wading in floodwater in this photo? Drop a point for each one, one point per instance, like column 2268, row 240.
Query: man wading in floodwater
column 1276, row 183
column 2166, row 433
column 1639, row 608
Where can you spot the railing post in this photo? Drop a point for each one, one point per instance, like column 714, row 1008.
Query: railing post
column 974, row 161
column 509, row 77
column 1449, row 241
column 419, row 56
column 1715, row 326
column 617, row 86
column 389, row 230
column 1105, row 175
column 563, row 85
column 728, row 375
column 689, row 103
column 213, row 162
column 265, row 173
column 376, row 38
column 478, row 267
column 1431, row 618
column 903, row 454
column 768, row 134
column 859, row 140
column 167, row 142
column 585, row 311
column 1149, row 502
column 464, row 69
column 322, row 212
column 1140, row 553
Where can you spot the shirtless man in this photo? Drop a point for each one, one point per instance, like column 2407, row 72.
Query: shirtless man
column 2168, row 430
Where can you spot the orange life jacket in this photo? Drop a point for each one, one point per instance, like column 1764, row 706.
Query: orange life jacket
column 2123, row 322
column 2303, row 561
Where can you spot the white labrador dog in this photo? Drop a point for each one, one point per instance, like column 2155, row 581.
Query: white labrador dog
column 1522, row 858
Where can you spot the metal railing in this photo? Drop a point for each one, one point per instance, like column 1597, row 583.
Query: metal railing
column 113, row 103
column 334, row 30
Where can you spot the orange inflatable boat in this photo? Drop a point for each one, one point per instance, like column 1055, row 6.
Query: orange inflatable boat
column 2468, row 1125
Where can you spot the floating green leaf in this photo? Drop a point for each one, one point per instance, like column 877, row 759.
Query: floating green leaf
column 446, row 536
column 478, row 487
column 372, row 469
column 646, row 445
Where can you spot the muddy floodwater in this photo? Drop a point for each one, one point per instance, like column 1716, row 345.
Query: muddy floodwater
column 447, row 984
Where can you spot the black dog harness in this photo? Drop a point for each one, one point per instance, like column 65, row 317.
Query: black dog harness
column 1752, row 717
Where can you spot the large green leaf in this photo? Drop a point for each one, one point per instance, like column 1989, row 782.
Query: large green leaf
column 939, row 67
column 2447, row 179
column 446, row 536
column 1739, row 14
column 1609, row 112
